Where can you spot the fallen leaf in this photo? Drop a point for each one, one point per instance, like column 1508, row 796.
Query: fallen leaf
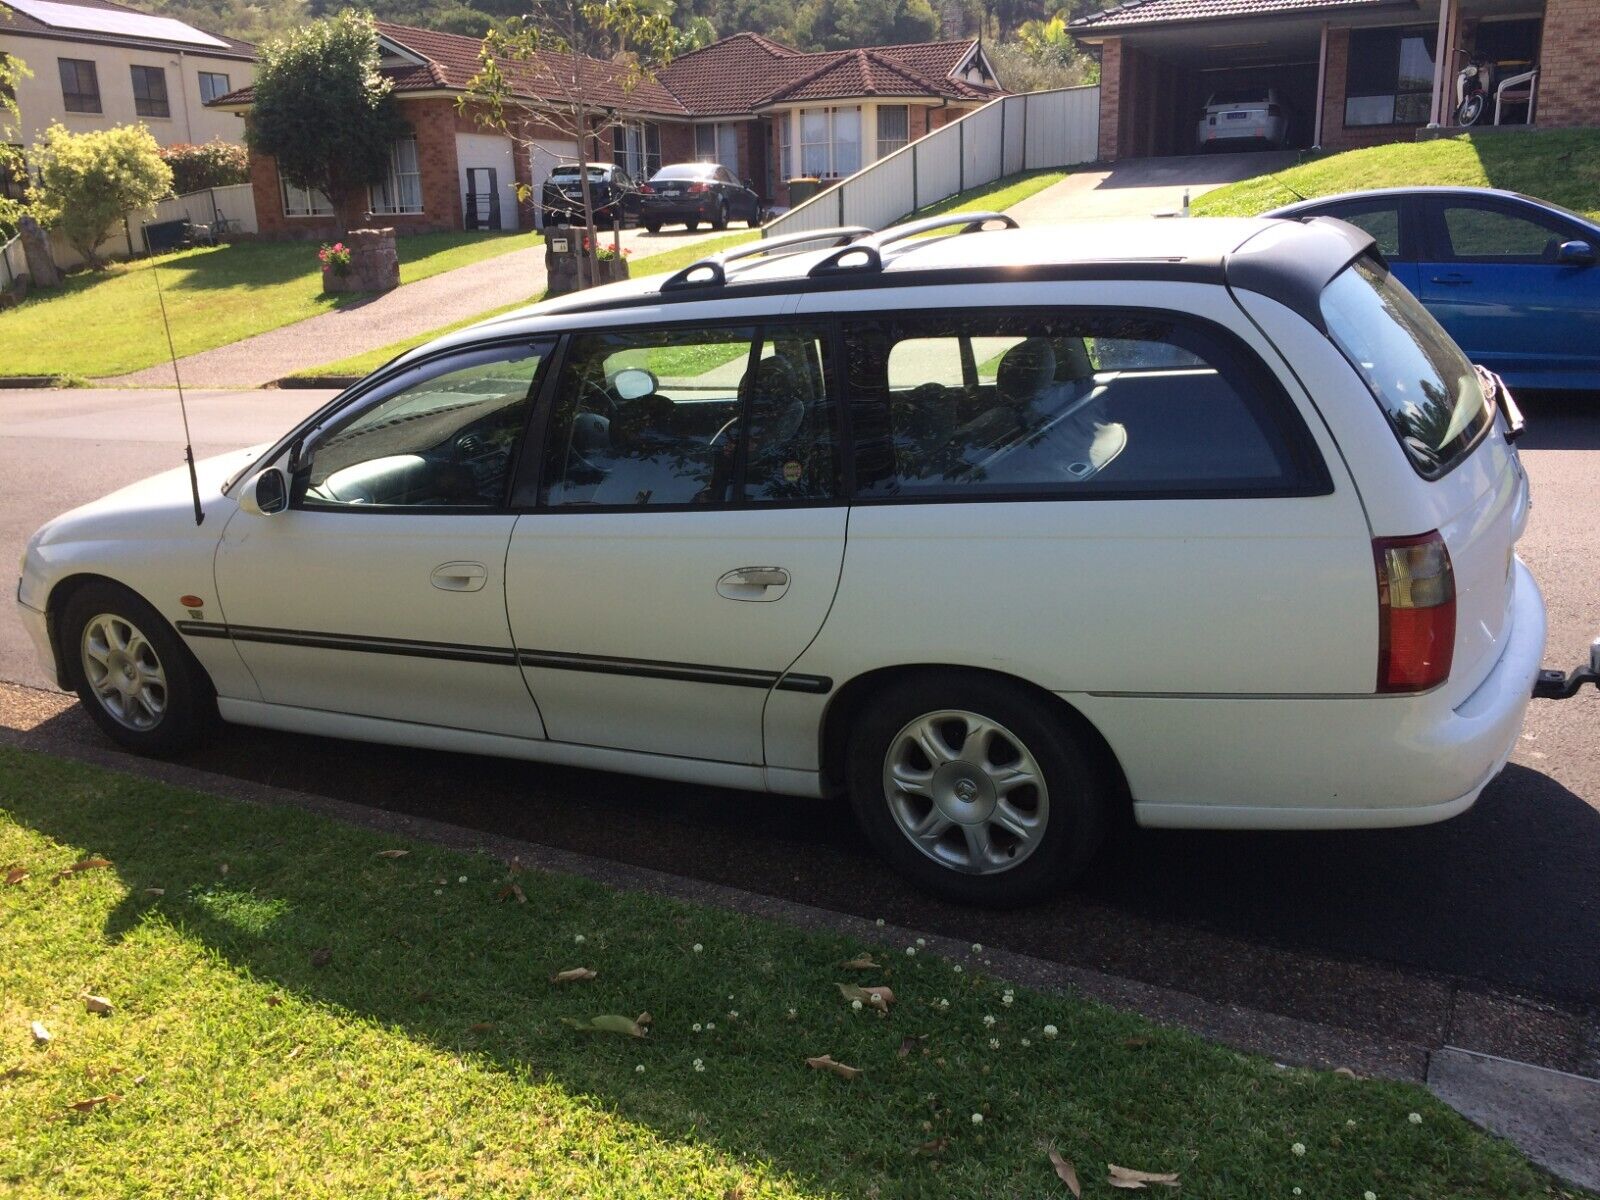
column 293, row 1054
column 514, row 867
column 321, row 956
column 1067, row 1173
column 908, row 1044
column 1127, row 1177
column 733, row 1193
column 643, row 1020
column 1346, row 1072
column 14, row 1072
column 1136, row 1043
column 826, row 1062
column 873, row 997
column 97, row 1004
column 510, row 890
column 610, row 1024
column 392, row 853
column 94, row 1102
column 862, row 963
column 84, row 864
column 481, row 1027
column 41, row 1035
column 274, row 1000
column 573, row 975
column 15, row 876
column 934, row 1148
column 155, row 891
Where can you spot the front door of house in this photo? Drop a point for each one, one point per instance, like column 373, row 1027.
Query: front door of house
column 483, row 198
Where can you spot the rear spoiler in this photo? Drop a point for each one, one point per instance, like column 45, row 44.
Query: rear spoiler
column 1282, row 263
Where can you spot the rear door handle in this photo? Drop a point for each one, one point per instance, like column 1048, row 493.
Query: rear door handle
column 1451, row 280
column 754, row 583
column 460, row 577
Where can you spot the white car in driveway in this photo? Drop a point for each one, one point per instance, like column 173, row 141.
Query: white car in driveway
column 1001, row 533
column 1239, row 117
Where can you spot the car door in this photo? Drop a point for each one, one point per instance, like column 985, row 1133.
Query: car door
column 1392, row 221
column 1492, row 279
column 686, row 538
column 380, row 591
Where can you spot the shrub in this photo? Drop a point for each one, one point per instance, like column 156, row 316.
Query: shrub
column 86, row 181
column 214, row 164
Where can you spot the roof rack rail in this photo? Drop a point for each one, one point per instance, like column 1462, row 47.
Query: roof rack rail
column 869, row 249
column 713, row 268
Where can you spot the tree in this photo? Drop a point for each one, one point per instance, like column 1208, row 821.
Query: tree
column 12, row 168
column 535, row 78
column 847, row 24
column 86, row 181
column 324, row 112
column 210, row 165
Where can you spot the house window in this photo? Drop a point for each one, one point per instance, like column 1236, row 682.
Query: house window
column 785, row 165
column 212, row 85
column 80, row 86
column 830, row 142
column 636, row 148
column 150, row 92
column 894, row 128
column 401, row 190
column 301, row 202
column 718, row 143
column 1389, row 80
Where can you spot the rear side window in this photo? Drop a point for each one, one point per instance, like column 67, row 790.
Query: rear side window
column 1424, row 384
column 1017, row 404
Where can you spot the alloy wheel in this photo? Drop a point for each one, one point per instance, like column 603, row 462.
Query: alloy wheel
column 124, row 672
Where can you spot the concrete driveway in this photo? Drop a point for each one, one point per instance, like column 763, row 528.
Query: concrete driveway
column 1144, row 187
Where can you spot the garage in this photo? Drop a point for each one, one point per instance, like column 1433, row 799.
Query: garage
column 545, row 156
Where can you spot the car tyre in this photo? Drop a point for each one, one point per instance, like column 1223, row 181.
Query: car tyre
column 755, row 221
column 136, row 679
column 719, row 217
column 652, row 226
column 1036, row 836
column 691, row 226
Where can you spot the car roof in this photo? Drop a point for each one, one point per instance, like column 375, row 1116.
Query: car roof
column 1316, row 202
column 1291, row 261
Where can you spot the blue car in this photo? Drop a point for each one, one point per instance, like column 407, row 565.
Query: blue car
column 1512, row 279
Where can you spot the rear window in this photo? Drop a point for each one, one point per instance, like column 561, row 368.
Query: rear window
column 571, row 172
column 686, row 171
column 1239, row 96
column 1421, row 379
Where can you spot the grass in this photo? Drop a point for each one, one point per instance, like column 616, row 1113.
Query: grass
column 1561, row 165
column 297, row 1014
column 108, row 323
column 357, row 365
column 996, row 197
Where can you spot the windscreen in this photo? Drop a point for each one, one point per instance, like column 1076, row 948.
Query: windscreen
column 685, row 171
column 1422, row 380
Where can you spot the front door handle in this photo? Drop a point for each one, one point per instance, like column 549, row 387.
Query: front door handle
column 460, row 577
column 754, row 583
column 1454, row 279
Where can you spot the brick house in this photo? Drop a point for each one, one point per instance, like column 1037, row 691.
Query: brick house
column 764, row 110
column 1351, row 72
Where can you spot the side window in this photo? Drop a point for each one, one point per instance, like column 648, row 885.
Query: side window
column 1381, row 220
column 1067, row 403
column 718, row 416
column 446, row 441
column 1483, row 234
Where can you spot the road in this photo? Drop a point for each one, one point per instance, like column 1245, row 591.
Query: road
column 1424, row 934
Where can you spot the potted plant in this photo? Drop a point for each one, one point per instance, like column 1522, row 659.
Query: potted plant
column 613, row 263
column 335, row 267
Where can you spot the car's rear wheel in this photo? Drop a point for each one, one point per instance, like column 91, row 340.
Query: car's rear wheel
column 755, row 221
column 974, row 790
column 136, row 679
column 652, row 226
column 691, row 226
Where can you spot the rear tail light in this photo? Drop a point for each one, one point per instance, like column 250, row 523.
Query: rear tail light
column 1416, row 612
column 646, row 190
column 698, row 187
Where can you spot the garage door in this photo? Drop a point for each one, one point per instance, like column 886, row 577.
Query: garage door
column 487, row 180
column 544, row 157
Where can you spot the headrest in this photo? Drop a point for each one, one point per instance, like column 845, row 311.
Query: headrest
column 1026, row 370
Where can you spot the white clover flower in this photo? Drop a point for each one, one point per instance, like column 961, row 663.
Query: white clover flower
column 856, row 1005
column 733, row 1014
column 438, row 891
column 880, row 922
column 1050, row 1031
column 710, row 1025
column 793, row 1013
column 639, row 1070
column 977, row 947
column 988, row 1021
column 994, row 1043
column 1296, row 1191
column 1369, row 1196
column 696, row 1026
column 699, row 1065
column 922, row 941
column 1415, row 1118
column 956, row 968
column 1008, row 998
column 977, row 1118
column 1026, row 1042
column 943, row 1004
column 1350, row 1124
column 1298, row 1149
column 911, row 951
column 697, row 948
column 578, row 939
column 463, row 879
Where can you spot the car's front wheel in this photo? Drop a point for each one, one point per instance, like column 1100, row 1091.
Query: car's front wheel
column 135, row 678
column 719, row 216
column 973, row 789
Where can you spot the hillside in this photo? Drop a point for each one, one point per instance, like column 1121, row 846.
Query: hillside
column 1559, row 165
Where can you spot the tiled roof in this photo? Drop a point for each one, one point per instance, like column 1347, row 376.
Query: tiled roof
column 736, row 75
column 14, row 20
column 1167, row 12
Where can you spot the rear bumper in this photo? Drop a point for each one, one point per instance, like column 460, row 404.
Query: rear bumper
column 1345, row 762
column 677, row 211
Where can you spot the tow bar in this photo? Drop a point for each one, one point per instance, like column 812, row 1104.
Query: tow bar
column 1562, row 685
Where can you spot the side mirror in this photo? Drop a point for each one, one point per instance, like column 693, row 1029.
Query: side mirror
column 751, row 184
column 265, row 493
column 1576, row 254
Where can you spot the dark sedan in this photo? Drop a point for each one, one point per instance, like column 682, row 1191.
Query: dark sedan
column 613, row 192
column 691, row 193
column 1512, row 279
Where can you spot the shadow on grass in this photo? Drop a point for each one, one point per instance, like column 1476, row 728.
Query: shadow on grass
column 1561, row 165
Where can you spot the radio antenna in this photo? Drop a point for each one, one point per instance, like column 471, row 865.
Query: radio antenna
column 177, row 377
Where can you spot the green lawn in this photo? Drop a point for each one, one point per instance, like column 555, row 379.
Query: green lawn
column 1561, row 165
column 109, row 323
column 294, row 1013
column 996, row 197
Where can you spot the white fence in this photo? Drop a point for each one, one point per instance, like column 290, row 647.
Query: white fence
column 235, row 202
column 1014, row 133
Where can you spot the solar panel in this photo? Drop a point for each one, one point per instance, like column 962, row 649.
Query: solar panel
column 113, row 21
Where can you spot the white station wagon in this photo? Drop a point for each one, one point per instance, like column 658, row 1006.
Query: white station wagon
column 1003, row 533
